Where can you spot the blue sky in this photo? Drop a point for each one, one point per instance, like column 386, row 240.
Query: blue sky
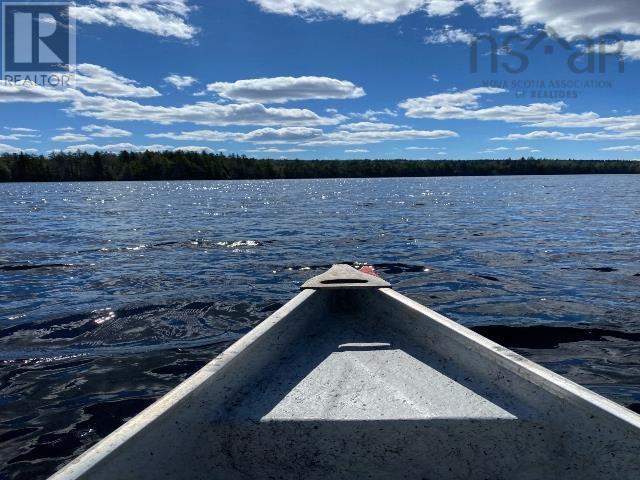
column 338, row 79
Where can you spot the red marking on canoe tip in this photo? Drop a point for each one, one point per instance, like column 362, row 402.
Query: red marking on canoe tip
column 369, row 270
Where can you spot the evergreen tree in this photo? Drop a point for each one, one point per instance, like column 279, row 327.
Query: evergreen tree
column 180, row 165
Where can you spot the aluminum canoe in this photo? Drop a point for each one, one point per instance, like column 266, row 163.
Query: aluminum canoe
column 351, row 379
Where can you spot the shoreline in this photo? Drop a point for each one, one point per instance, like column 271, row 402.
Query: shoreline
column 190, row 166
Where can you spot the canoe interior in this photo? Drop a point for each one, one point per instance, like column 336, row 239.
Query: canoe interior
column 363, row 384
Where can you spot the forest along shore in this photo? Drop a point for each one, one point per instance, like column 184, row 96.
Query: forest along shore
column 182, row 165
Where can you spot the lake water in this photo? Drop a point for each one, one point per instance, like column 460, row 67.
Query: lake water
column 113, row 293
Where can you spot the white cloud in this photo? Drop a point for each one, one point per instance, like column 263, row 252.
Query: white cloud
column 194, row 148
column 488, row 151
column 300, row 126
column 304, row 136
column 569, row 18
column 428, row 105
column 492, row 8
column 70, row 138
column 465, row 105
column 495, row 150
column 575, row 18
column 448, row 34
column 522, row 149
column 282, row 135
column 529, row 150
column 202, row 113
column 435, row 78
column 118, row 147
column 86, row 147
column 537, row 135
column 22, row 129
column 370, row 11
column 180, row 81
column 96, row 131
column 442, row 7
column 166, row 18
column 423, row 148
column 368, row 126
column 11, row 149
column 10, row 92
column 507, row 28
column 276, row 150
column 361, row 138
column 101, row 80
column 357, row 150
column 377, row 11
column 629, row 49
column 610, row 134
column 373, row 115
column 285, row 89
column 263, row 135
column 622, row 148
column 198, row 135
column 14, row 135
column 105, row 131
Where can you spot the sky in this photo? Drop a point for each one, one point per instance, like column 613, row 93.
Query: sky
column 338, row 79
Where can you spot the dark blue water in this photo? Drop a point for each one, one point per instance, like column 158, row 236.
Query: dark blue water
column 112, row 293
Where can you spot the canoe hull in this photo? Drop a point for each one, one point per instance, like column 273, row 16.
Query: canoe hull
column 367, row 383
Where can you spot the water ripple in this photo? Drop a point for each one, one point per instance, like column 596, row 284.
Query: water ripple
column 113, row 293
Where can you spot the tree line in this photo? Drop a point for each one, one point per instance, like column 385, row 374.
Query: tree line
column 180, row 165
